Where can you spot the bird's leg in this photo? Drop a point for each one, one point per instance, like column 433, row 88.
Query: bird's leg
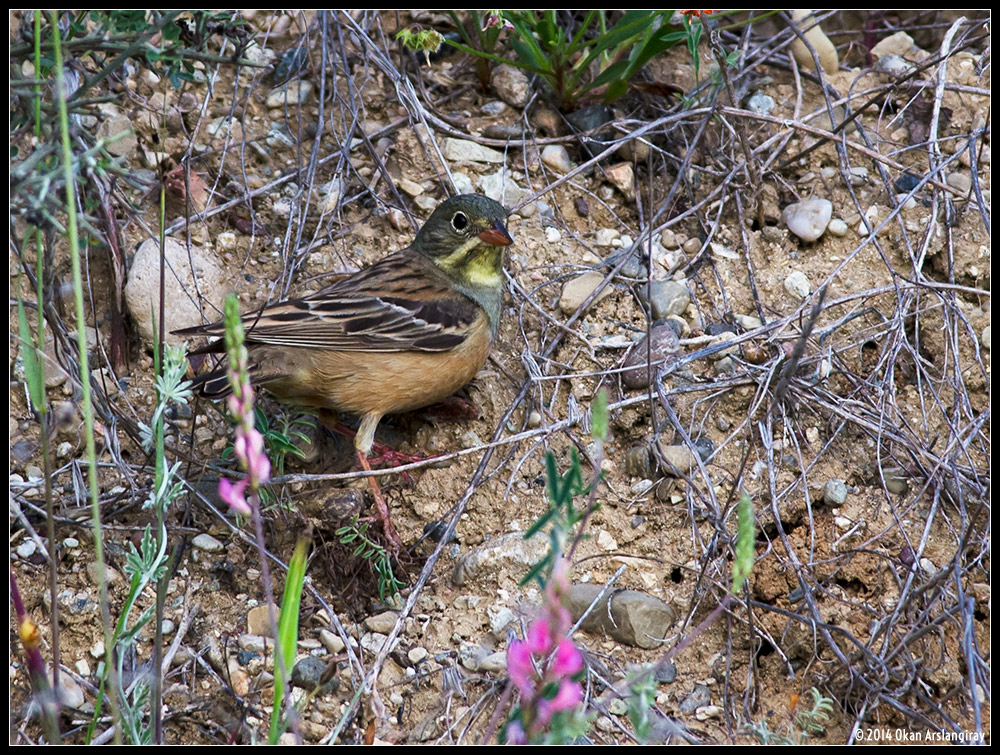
column 381, row 506
column 384, row 455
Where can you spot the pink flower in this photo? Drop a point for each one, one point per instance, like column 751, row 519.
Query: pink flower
column 515, row 734
column 234, row 495
column 569, row 696
column 567, row 660
column 539, row 637
column 520, row 667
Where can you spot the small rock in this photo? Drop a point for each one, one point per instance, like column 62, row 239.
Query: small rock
column 258, row 621
column 662, row 344
column 167, row 627
column 606, row 541
column 307, row 673
column 797, row 284
column 706, row 712
column 576, row 291
column 676, row 461
column 899, row 43
column 666, row 298
column 185, row 266
column 622, row 176
column 817, row 41
column 511, row 85
column 292, row 94
column 417, row 654
column 463, row 184
column 960, row 181
column 552, row 235
column 808, row 220
column 465, row 151
column 493, row 108
column 410, row 187
column 206, row 542
column 984, row 339
column 501, row 188
column 837, row 227
column 494, row 663
column 69, row 693
column 835, row 492
column 382, row 623
column 893, row 64
column 510, row 548
column 119, row 135
column 699, row 697
column 665, row 672
column 27, row 548
column 471, row 655
column 331, row 641
column 605, row 236
column 557, row 158
column 633, row 618
column 761, row 103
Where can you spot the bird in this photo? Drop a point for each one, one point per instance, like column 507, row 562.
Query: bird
column 404, row 333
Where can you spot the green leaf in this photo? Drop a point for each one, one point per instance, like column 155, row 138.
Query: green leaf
column 34, row 369
column 288, row 627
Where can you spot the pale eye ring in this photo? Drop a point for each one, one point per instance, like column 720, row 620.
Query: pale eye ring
column 459, row 221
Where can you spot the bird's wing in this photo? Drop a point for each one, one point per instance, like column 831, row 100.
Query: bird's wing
column 401, row 303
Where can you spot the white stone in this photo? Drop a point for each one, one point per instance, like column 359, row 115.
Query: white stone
column 797, row 284
column 808, row 220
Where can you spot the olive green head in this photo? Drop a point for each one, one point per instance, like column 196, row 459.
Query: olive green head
column 466, row 236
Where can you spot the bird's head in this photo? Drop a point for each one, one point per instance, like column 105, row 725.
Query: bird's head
column 465, row 236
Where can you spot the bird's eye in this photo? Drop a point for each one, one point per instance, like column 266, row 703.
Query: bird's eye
column 459, row 222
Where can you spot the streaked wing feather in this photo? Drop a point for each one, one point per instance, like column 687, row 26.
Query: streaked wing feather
column 399, row 304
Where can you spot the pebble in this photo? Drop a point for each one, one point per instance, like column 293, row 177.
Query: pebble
column 628, row 616
column 500, row 187
column 557, row 157
column 167, row 627
column 605, row 236
column 494, row 663
column 410, row 187
column 676, row 461
column 493, row 108
column 292, row 94
column 382, row 623
column 797, row 284
column 471, row 655
column 508, row 549
column 552, row 235
column 511, row 85
column 984, row 339
column 666, row 298
column 960, row 181
column 207, row 543
column 692, row 245
column 665, row 672
column 417, row 654
column 332, row 642
column 835, row 492
column 622, row 177
column 606, row 541
column 662, row 344
column 808, row 220
column 465, row 151
column 837, row 227
column 307, row 672
column 258, row 621
column 893, row 64
column 576, row 291
column 899, row 43
column 761, row 103
column 27, row 548
column 698, row 697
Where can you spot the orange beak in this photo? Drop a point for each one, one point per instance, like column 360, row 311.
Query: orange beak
column 496, row 236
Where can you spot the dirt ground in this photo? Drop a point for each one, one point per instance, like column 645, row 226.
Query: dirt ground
column 880, row 601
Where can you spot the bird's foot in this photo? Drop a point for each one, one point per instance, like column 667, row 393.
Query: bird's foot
column 381, row 508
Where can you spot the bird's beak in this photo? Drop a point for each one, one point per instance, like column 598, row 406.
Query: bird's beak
column 496, row 236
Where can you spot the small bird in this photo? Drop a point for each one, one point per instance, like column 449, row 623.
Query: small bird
column 402, row 334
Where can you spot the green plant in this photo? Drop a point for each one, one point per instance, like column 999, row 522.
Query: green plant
column 596, row 56
column 288, row 631
column 356, row 534
column 806, row 724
